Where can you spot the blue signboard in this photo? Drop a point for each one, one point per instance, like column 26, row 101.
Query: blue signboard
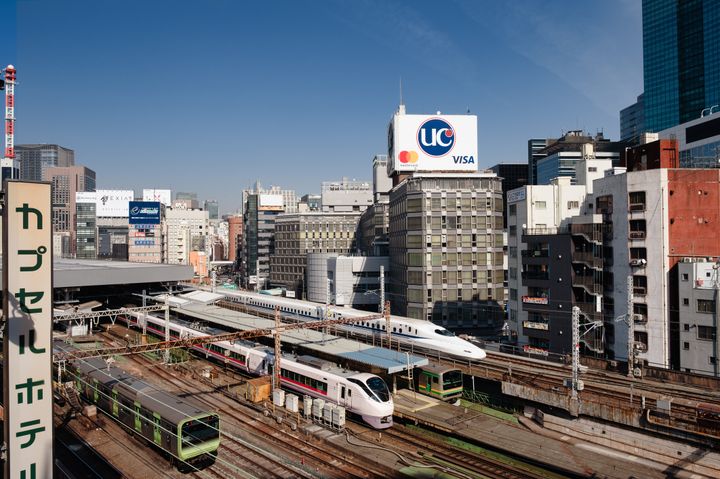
column 144, row 212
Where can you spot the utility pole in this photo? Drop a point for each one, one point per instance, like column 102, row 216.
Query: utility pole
column 716, row 299
column 382, row 289
column 167, row 329
column 575, row 351
column 278, row 352
column 386, row 313
column 144, row 333
column 631, row 328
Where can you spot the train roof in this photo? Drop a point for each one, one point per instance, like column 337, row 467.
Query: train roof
column 342, row 348
column 169, row 406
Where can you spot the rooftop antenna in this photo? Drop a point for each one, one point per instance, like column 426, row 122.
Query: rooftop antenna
column 468, row 110
column 401, row 95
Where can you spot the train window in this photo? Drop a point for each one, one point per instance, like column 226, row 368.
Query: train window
column 394, row 329
column 444, row 332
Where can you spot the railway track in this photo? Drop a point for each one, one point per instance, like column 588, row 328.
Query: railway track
column 293, row 455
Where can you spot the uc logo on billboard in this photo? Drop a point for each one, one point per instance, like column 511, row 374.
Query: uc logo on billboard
column 436, row 137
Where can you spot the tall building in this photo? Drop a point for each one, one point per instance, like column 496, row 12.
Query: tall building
column 299, row 234
column 289, row 197
column 186, row 200
column 112, row 211
column 632, row 121
column 211, row 206
column 186, row 230
column 446, row 250
column 258, row 245
column 555, row 260
column 535, row 146
column 698, row 141
column 235, row 233
column 512, row 175
column 66, row 182
column 145, row 232
column 681, row 60
column 86, row 225
column 560, row 156
column 36, row 158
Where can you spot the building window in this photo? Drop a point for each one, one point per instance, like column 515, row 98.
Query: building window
column 592, row 169
column 512, row 210
column 540, row 205
column 512, row 230
column 638, row 253
column 686, row 346
column 637, row 201
column 705, row 306
column 640, row 285
column 706, row 332
column 637, row 229
column 573, row 205
column 686, row 327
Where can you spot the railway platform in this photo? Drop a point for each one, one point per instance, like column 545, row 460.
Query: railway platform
column 529, row 441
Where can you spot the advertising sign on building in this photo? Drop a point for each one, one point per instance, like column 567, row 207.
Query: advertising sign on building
column 86, row 197
column 163, row 196
column 144, row 212
column 113, row 203
column 268, row 202
column 432, row 143
column 27, row 340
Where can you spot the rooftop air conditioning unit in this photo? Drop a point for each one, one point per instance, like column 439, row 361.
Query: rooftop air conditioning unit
column 638, row 262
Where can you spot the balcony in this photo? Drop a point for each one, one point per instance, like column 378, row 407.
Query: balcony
column 541, row 275
column 588, row 258
column 637, row 235
column 535, row 325
column 590, row 231
column 587, row 282
column 535, row 300
column 535, row 253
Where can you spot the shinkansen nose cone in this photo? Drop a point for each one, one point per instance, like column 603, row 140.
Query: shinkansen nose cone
column 473, row 352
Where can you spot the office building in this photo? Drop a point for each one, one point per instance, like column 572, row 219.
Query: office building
column 513, row 176
column 289, row 197
column 560, row 157
column 186, row 200
column 36, row 158
column 681, row 60
column 346, row 195
column 235, row 233
column 374, row 227
column 555, row 260
column 212, row 207
column 446, row 250
column 352, row 281
column 310, row 202
column 535, row 146
column 698, row 141
column 299, row 234
column 382, row 183
column 86, row 225
column 698, row 282
column 186, row 230
column 112, row 212
column 258, row 239
column 632, row 121
column 66, row 182
column 145, row 232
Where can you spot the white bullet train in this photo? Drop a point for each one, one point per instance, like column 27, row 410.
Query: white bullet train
column 363, row 394
column 414, row 333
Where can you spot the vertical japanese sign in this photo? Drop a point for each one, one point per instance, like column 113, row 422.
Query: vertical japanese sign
column 27, row 341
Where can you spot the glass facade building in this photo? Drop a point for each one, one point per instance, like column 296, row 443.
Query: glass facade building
column 681, row 60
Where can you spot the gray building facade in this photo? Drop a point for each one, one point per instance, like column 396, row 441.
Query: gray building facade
column 697, row 292
column 446, row 250
column 36, row 158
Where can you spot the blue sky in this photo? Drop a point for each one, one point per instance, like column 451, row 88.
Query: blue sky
column 210, row 96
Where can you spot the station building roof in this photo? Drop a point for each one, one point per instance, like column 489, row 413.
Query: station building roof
column 327, row 344
column 79, row 273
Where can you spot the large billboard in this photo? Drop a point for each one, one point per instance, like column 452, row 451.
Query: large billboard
column 113, row 203
column 271, row 202
column 144, row 212
column 432, row 143
column 163, row 196
column 86, row 197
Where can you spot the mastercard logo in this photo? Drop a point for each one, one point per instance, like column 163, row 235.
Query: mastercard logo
column 408, row 157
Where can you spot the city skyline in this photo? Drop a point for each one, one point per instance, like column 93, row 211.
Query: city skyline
column 194, row 100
